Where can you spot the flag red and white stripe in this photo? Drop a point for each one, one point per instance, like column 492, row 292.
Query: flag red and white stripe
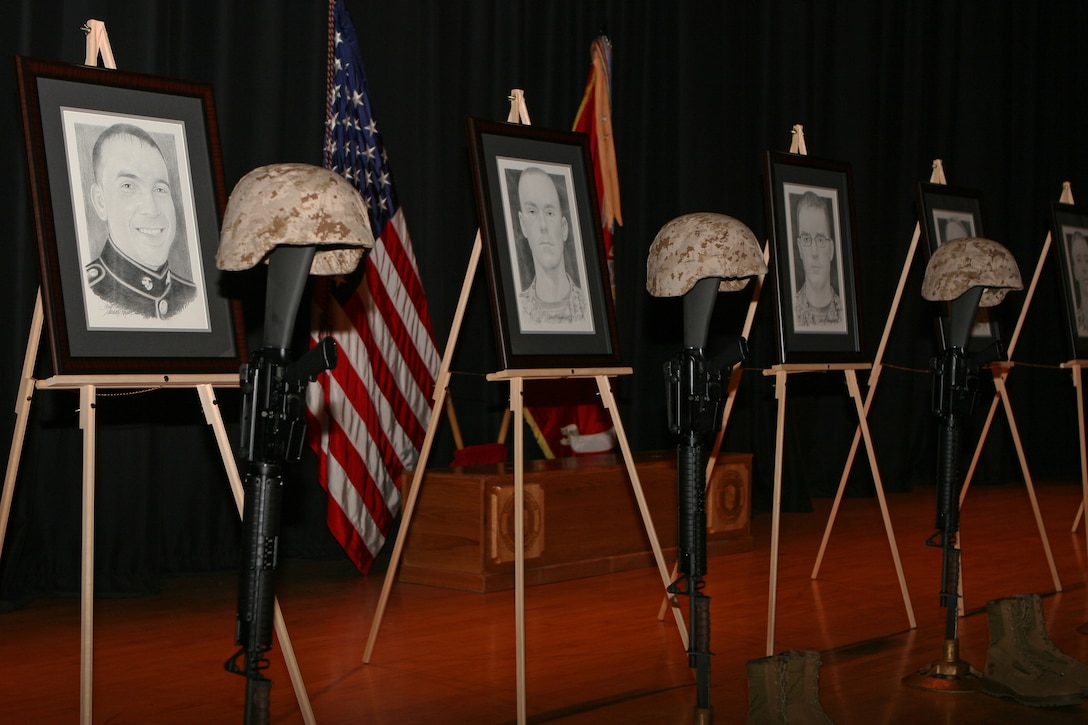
column 369, row 415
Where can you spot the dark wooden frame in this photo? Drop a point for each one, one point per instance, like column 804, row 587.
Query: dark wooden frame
column 787, row 177
column 1067, row 219
column 939, row 204
column 499, row 152
column 210, row 338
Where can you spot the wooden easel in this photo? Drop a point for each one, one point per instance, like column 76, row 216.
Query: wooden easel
column 850, row 371
column 88, row 386
column 936, row 177
column 1076, row 366
column 999, row 372
column 518, row 113
column 781, row 373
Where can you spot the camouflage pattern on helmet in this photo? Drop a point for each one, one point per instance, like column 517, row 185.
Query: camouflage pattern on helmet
column 294, row 204
column 961, row 264
column 700, row 245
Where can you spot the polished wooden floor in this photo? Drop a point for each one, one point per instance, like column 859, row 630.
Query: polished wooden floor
column 596, row 652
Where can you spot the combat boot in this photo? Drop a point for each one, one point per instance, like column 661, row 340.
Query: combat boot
column 765, row 693
column 1042, row 648
column 1011, row 671
column 803, row 689
column 785, row 689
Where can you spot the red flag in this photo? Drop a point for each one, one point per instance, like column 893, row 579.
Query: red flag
column 369, row 415
column 574, row 421
column 594, row 118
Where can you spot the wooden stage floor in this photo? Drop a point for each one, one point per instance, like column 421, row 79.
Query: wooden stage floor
column 596, row 652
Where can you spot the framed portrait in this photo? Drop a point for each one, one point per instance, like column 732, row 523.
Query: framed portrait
column 537, row 203
column 946, row 213
column 811, row 217
column 1069, row 234
column 126, row 181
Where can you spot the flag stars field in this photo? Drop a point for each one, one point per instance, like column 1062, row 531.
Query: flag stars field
column 369, row 415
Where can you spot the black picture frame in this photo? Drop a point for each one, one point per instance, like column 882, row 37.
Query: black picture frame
column 578, row 330
column 105, row 314
column 1069, row 233
column 821, row 322
column 946, row 213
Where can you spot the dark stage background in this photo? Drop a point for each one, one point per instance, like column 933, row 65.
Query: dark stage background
column 700, row 90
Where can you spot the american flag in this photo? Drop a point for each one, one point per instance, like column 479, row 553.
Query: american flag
column 369, row 415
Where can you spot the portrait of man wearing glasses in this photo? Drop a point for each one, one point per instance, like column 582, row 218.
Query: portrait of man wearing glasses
column 816, row 301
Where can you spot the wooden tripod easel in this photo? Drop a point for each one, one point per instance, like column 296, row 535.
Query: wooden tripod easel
column 999, row 371
column 88, row 386
column 516, row 378
column 781, row 373
column 937, row 177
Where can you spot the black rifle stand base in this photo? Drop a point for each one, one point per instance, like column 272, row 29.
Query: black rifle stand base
column 948, row 674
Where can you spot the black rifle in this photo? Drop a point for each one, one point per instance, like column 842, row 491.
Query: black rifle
column 694, row 402
column 273, row 432
column 955, row 392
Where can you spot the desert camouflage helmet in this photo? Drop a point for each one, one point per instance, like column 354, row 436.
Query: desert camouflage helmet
column 294, row 204
column 700, row 245
column 961, row 264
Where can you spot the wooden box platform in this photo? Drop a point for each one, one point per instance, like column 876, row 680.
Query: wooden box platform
column 581, row 519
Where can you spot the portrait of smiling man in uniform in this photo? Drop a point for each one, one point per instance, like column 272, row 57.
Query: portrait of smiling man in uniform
column 132, row 193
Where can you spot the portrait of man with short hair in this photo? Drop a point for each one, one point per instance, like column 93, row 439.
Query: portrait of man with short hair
column 815, row 264
column 546, row 249
column 135, row 227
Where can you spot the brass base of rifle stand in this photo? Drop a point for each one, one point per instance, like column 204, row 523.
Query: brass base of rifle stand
column 948, row 674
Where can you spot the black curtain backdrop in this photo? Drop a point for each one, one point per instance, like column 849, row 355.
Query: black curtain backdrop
column 699, row 91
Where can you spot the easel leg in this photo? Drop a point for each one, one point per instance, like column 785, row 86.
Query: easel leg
column 863, row 425
column 22, row 413
column 776, row 505
column 981, row 442
column 1083, row 450
column 215, row 420
column 838, row 500
column 604, row 386
column 86, row 648
column 999, row 381
column 730, row 398
column 22, row 416
column 517, row 409
column 441, row 391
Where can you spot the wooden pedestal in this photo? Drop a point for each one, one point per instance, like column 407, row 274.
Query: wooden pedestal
column 581, row 519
